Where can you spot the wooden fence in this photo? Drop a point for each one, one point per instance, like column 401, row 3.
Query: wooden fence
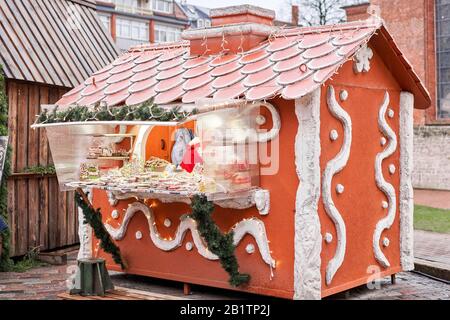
column 39, row 214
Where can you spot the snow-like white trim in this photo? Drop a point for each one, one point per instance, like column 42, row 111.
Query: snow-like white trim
column 241, row 10
column 334, row 166
column 276, row 123
column 228, row 30
column 382, row 184
column 253, row 226
column 259, row 198
column 262, row 201
column 84, row 233
column 362, row 59
column 112, row 200
column 406, row 189
column 307, row 239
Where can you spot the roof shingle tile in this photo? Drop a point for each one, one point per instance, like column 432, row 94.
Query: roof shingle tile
column 292, row 64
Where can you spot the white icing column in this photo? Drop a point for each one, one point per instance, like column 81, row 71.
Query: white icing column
column 308, row 239
column 406, row 190
column 85, row 234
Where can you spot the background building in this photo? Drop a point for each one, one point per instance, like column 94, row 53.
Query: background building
column 198, row 16
column 133, row 22
column 46, row 49
column 421, row 28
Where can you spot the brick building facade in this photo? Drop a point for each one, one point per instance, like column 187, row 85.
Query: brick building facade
column 421, row 28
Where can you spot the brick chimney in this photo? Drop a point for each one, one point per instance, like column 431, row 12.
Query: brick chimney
column 295, row 14
column 357, row 11
column 233, row 29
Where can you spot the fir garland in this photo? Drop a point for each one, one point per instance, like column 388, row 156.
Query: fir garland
column 42, row 170
column 6, row 263
column 220, row 244
column 148, row 111
column 94, row 218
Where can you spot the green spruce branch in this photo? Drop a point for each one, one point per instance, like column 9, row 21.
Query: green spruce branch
column 218, row 243
column 94, row 219
column 42, row 170
column 6, row 263
column 148, row 111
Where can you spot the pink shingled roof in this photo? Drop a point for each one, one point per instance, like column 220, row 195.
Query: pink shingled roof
column 291, row 64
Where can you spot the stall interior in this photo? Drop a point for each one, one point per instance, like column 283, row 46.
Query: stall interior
column 215, row 154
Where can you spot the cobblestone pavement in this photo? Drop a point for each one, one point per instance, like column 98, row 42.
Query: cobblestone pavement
column 432, row 246
column 47, row 282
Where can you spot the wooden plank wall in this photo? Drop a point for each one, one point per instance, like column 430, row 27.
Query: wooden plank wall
column 39, row 214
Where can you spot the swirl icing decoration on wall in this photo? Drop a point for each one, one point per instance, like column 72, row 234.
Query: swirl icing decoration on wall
column 253, row 226
column 382, row 184
column 334, row 166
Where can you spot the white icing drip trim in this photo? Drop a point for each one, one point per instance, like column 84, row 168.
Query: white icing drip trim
column 334, row 166
column 252, row 226
column 382, row 184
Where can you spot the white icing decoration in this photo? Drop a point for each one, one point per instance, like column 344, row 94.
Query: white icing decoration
column 362, row 59
column 406, row 190
column 262, row 201
column 383, row 141
column 260, row 120
column 382, row 184
column 384, row 204
column 308, row 238
column 253, row 226
column 189, row 246
column 339, row 188
column 250, row 248
column 244, row 202
column 111, row 199
column 343, row 95
column 138, row 235
column 391, row 113
column 276, row 123
column 328, row 237
column 167, row 222
column 115, row 214
column 385, row 242
column 391, row 168
column 334, row 166
column 84, row 233
column 334, row 135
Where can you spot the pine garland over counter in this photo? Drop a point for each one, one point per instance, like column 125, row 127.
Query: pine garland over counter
column 148, row 111
column 5, row 262
column 220, row 244
column 94, row 219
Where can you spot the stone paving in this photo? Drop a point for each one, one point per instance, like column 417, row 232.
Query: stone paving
column 432, row 246
column 47, row 282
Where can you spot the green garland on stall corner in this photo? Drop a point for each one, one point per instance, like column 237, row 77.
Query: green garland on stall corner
column 94, row 219
column 220, row 244
column 5, row 262
column 147, row 111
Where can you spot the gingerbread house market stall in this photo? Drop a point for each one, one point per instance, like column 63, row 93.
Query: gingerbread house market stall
column 270, row 160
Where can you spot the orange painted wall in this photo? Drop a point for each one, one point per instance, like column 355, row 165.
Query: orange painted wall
column 360, row 204
column 143, row 258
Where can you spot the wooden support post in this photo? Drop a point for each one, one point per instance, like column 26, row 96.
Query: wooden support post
column 187, row 289
column 393, row 280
